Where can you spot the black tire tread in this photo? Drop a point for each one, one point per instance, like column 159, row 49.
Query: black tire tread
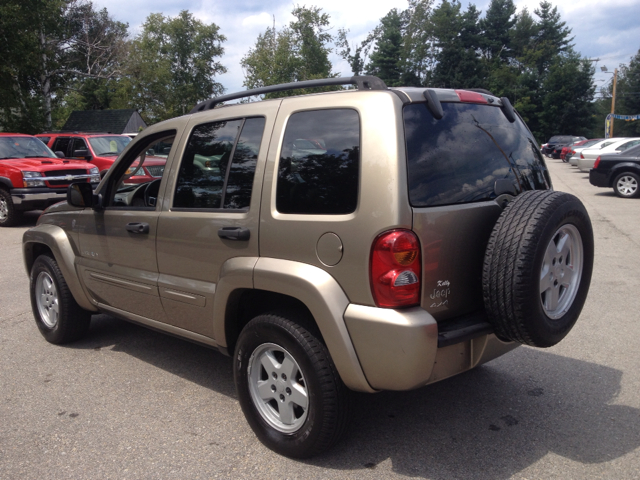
column 615, row 183
column 335, row 395
column 74, row 321
column 14, row 215
column 510, row 258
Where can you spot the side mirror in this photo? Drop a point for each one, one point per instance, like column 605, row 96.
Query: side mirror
column 82, row 153
column 59, row 154
column 80, row 195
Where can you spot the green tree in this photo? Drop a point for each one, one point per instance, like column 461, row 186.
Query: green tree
column 567, row 104
column 298, row 52
column 418, row 43
column 458, row 37
column 552, row 37
column 385, row 60
column 628, row 98
column 172, row 65
column 52, row 46
column 496, row 28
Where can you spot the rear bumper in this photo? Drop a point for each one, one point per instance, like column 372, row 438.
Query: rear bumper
column 599, row 179
column 399, row 349
column 586, row 164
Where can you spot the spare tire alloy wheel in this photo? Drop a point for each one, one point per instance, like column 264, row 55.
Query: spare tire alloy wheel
column 626, row 185
column 537, row 267
column 288, row 387
column 561, row 271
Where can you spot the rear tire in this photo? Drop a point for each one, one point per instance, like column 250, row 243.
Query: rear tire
column 288, row 387
column 58, row 316
column 537, row 268
column 627, row 185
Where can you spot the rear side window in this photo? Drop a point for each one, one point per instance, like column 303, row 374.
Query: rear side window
column 459, row 158
column 219, row 164
column 319, row 164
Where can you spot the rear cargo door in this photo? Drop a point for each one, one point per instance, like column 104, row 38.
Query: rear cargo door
column 461, row 169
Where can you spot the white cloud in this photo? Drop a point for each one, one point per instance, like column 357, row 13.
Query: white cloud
column 261, row 20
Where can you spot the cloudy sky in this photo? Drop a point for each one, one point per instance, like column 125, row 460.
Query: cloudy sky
column 607, row 30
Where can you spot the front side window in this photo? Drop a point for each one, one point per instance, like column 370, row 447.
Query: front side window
column 319, row 164
column 79, row 144
column 138, row 183
column 218, row 165
column 61, row 144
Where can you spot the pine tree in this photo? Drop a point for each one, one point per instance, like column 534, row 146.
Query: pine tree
column 385, row 61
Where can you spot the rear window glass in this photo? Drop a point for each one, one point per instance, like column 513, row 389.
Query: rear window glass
column 561, row 139
column 459, row 158
column 320, row 163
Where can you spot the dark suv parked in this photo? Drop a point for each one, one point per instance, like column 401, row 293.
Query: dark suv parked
column 370, row 239
column 553, row 148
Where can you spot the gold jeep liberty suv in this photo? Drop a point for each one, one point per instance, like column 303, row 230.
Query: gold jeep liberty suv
column 363, row 239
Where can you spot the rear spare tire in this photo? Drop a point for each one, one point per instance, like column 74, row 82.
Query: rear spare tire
column 537, row 267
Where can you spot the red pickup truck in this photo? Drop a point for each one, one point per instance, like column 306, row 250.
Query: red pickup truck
column 32, row 177
column 102, row 149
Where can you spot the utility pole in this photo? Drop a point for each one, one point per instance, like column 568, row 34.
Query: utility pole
column 613, row 100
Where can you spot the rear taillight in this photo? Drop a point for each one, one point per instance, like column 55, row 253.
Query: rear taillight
column 470, row 97
column 581, row 156
column 395, row 269
column 595, row 165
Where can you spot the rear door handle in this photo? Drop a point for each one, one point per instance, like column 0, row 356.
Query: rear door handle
column 234, row 233
column 136, row 227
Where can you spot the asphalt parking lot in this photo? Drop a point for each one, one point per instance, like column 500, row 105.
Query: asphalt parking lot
column 130, row 403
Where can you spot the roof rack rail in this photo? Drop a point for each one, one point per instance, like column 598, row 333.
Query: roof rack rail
column 363, row 82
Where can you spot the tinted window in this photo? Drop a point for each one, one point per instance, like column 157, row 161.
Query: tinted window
column 458, row 158
column 61, row 145
column 79, row 144
column 205, row 170
column 240, row 182
column 204, row 165
column 319, row 163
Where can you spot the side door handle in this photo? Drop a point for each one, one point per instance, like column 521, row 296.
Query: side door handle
column 234, row 233
column 136, row 227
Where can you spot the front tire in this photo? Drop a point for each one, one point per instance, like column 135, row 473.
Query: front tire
column 627, row 185
column 288, row 387
column 58, row 317
column 9, row 216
